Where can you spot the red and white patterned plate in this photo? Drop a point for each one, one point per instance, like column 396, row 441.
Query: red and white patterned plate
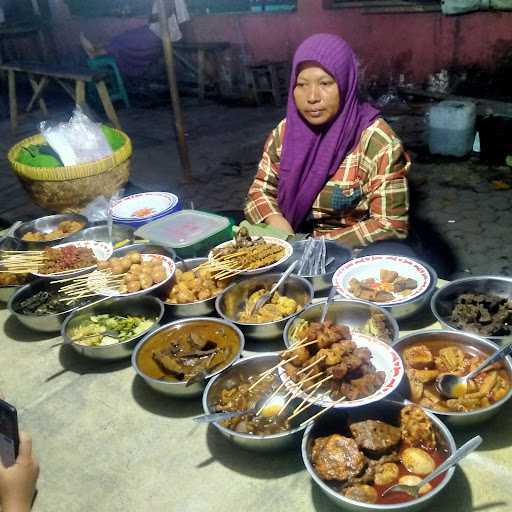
column 370, row 266
column 384, row 358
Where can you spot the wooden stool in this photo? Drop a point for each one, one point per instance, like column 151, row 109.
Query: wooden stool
column 40, row 74
column 269, row 77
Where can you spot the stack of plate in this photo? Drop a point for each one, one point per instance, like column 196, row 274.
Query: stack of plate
column 139, row 209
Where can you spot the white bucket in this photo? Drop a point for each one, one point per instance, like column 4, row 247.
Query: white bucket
column 452, row 128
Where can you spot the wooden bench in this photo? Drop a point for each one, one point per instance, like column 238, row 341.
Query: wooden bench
column 40, row 75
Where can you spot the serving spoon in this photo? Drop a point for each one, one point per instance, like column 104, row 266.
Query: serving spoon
column 268, row 408
column 459, row 454
column 268, row 295
column 455, row 386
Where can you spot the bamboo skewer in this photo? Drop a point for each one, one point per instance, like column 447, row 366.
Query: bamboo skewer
column 266, row 373
column 323, row 411
column 306, row 403
column 319, row 360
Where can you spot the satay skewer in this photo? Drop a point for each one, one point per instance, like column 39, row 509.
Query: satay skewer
column 323, row 411
column 315, row 362
column 266, row 373
column 307, row 402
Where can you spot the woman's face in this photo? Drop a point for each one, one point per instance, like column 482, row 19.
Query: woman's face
column 316, row 94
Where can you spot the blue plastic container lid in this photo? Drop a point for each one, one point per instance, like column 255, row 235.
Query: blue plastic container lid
column 183, row 229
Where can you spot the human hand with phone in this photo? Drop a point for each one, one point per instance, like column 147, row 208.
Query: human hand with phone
column 18, row 482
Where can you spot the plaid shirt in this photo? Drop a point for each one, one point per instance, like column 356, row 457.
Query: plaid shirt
column 366, row 199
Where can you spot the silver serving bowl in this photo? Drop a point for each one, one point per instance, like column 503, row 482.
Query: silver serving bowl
column 232, row 300
column 45, row 225
column 100, row 234
column 144, row 248
column 179, row 389
column 332, row 423
column 457, row 419
column 145, row 305
column 44, row 323
column 198, row 308
column 243, row 368
column 354, row 313
column 322, row 283
column 443, row 300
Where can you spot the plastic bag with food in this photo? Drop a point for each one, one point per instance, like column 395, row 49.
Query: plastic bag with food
column 78, row 141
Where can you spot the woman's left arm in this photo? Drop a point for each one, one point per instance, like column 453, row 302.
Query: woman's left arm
column 388, row 200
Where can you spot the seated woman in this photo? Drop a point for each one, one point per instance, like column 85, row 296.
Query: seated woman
column 333, row 166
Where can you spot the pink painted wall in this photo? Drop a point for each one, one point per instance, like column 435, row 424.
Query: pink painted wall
column 416, row 44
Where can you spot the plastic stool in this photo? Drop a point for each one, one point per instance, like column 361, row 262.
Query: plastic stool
column 114, row 79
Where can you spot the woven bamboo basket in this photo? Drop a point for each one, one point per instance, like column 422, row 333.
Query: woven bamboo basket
column 69, row 189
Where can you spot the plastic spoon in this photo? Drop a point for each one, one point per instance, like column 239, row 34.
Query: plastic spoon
column 327, row 303
column 414, row 490
column 455, row 386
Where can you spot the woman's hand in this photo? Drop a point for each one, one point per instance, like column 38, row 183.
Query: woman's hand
column 18, row 482
column 279, row 222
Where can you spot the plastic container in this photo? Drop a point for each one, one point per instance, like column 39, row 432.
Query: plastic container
column 451, row 128
column 190, row 233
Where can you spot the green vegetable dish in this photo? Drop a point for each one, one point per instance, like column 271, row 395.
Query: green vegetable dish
column 101, row 330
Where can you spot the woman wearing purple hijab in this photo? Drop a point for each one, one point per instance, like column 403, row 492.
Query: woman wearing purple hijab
column 333, row 165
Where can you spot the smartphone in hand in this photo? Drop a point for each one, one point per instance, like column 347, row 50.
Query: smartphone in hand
column 9, row 434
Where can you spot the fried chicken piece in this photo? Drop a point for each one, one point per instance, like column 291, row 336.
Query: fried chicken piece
column 336, row 457
column 416, row 428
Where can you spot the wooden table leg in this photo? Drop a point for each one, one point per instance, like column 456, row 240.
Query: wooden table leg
column 13, row 105
column 107, row 104
column 80, row 93
column 38, row 89
column 274, row 80
column 200, row 73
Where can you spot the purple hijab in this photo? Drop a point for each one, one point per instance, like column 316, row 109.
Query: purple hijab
column 311, row 155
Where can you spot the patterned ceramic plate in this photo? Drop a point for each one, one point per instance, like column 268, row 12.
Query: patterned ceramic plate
column 101, row 250
column 169, row 268
column 370, row 267
column 288, row 251
column 384, row 358
column 143, row 206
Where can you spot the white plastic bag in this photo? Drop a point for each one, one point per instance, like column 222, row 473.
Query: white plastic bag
column 78, row 141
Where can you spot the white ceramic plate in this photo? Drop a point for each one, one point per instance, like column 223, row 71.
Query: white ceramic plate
column 101, row 250
column 128, row 207
column 384, row 358
column 370, row 266
column 169, row 268
column 288, row 251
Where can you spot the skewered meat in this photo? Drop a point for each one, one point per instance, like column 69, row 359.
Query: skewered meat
column 336, row 457
column 375, row 436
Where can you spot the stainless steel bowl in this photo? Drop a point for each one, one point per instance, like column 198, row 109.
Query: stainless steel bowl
column 457, row 419
column 354, row 313
column 45, row 323
column 179, row 389
column 321, row 283
column 231, row 301
column 443, row 300
column 332, row 423
column 100, row 234
column 198, row 308
column 246, row 367
column 145, row 248
column 145, row 305
column 45, row 225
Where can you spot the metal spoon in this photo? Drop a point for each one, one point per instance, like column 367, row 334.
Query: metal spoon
column 454, row 386
column 268, row 408
column 458, row 455
column 327, row 303
column 268, row 295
